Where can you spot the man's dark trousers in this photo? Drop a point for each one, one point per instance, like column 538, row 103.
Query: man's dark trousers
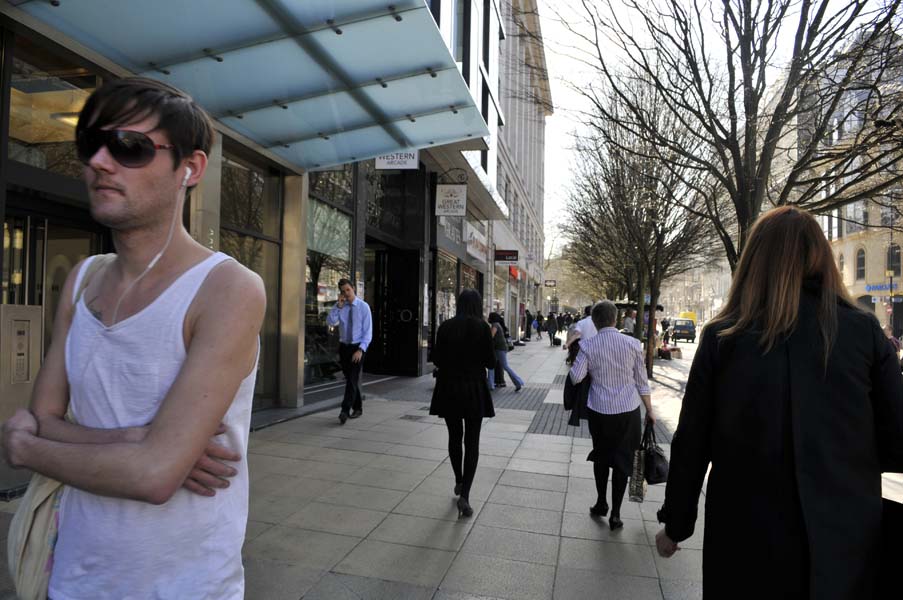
column 352, row 373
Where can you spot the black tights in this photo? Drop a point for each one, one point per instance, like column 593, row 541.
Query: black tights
column 467, row 430
column 618, row 486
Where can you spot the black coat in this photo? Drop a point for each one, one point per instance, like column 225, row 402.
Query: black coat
column 793, row 503
column 576, row 398
column 462, row 352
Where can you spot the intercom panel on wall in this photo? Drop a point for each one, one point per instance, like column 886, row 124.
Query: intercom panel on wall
column 20, row 355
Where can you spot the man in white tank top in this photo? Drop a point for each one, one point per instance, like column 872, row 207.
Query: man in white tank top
column 155, row 361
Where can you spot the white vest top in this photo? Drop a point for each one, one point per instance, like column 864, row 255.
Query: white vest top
column 119, row 549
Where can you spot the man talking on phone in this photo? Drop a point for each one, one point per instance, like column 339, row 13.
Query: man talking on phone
column 352, row 315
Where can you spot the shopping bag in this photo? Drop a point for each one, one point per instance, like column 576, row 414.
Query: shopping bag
column 655, row 462
column 637, row 486
column 32, row 537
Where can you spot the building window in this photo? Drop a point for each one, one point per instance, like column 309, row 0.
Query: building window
column 328, row 260
column 461, row 36
column 469, row 278
column 446, row 287
column 893, row 259
column 488, row 21
column 46, row 94
column 250, row 232
column 335, row 187
column 860, row 264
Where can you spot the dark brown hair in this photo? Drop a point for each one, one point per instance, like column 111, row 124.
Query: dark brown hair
column 131, row 99
column 785, row 248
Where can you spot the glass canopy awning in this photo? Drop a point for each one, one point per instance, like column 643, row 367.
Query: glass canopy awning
column 317, row 82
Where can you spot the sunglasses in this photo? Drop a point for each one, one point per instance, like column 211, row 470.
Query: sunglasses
column 130, row 149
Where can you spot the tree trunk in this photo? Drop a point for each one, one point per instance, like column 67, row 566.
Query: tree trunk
column 640, row 305
column 650, row 336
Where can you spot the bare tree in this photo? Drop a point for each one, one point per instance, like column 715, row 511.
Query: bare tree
column 818, row 127
column 633, row 208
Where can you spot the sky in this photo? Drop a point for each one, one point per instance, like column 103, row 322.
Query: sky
column 559, row 156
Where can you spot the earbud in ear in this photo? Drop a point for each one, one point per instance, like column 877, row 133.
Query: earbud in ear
column 187, row 176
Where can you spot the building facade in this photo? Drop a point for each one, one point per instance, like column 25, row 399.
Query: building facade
column 334, row 174
column 526, row 102
column 868, row 257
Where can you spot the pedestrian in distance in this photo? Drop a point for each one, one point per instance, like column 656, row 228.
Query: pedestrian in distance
column 463, row 352
column 540, row 324
column 629, row 324
column 585, row 325
column 153, row 357
column 355, row 322
column 616, row 365
column 560, row 320
column 528, row 325
column 551, row 328
column 497, row 371
column 500, row 345
column 795, row 399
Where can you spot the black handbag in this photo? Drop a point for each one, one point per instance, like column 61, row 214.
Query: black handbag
column 655, row 462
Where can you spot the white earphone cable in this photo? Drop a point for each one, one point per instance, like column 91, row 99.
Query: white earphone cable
column 155, row 259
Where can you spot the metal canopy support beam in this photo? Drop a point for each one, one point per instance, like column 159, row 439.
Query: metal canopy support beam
column 297, row 32
column 288, row 102
column 388, row 122
column 224, row 51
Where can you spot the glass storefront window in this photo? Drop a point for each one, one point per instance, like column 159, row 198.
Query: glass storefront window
column 446, row 287
column 328, row 260
column 13, row 278
column 262, row 257
column 250, row 230
column 46, row 94
column 469, row 278
column 499, row 293
column 336, row 187
column 251, row 199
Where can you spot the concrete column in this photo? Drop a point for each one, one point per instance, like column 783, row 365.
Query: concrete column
column 293, row 289
column 205, row 200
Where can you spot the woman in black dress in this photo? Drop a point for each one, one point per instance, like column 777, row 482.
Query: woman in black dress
column 795, row 399
column 463, row 352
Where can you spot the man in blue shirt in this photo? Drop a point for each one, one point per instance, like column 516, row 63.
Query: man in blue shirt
column 352, row 315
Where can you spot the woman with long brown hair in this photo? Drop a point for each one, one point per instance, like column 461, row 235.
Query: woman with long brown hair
column 795, row 399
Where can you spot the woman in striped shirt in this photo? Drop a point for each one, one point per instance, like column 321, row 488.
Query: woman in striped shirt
column 617, row 370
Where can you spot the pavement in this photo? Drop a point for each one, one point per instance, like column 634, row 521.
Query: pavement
column 366, row 510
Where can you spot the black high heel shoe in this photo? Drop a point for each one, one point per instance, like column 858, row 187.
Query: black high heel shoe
column 615, row 523
column 599, row 509
column 458, row 487
column 464, row 509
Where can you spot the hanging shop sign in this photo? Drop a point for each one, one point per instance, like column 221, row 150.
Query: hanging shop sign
column 551, row 283
column 506, row 257
column 514, row 272
column 409, row 159
column 451, row 200
column 476, row 243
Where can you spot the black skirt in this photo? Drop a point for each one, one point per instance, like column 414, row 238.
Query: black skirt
column 461, row 397
column 615, row 437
